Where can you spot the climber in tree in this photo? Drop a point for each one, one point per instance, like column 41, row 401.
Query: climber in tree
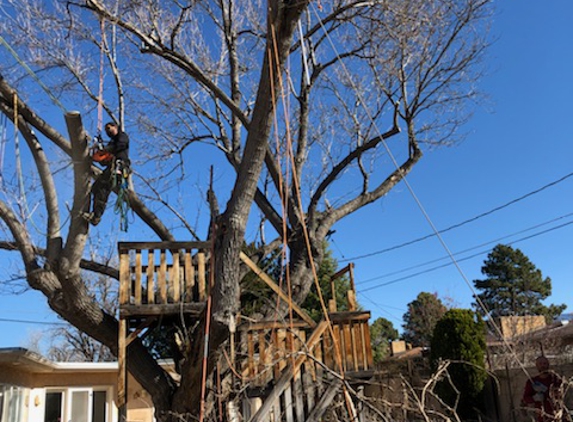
column 115, row 157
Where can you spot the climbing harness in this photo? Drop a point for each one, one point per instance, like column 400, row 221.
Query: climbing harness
column 120, row 180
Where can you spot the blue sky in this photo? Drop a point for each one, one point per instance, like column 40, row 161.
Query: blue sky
column 519, row 141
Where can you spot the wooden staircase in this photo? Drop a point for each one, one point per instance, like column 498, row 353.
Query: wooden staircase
column 291, row 371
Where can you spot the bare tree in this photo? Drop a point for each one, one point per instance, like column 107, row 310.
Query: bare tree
column 330, row 102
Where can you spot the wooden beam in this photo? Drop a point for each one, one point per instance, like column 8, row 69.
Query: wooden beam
column 280, row 292
column 194, row 309
column 126, row 246
column 124, row 279
column 132, row 336
column 325, row 401
column 122, row 364
column 287, row 375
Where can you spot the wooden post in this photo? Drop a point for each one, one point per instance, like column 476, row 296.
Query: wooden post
column 122, row 367
column 150, row 277
column 161, row 277
column 137, row 286
column 280, row 292
column 201, row 280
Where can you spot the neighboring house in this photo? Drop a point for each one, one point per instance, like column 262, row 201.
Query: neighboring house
column 35, row 389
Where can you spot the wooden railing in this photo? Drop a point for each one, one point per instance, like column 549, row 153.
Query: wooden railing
column 155, row 276
column 267, row 348
column 290, row 366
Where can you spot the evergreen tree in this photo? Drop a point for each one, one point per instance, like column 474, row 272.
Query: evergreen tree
column 460, row 337
column 255, row 294
column 328, row 267
column 514, row 286
column 421, row 318
column 382, row 332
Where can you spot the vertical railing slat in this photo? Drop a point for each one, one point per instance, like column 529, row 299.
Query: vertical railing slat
column 150, row 277
column 175, row 279
column 189, row 277
column 162, row 285
column 137, row 284
column 125, row 278
column 201, row 281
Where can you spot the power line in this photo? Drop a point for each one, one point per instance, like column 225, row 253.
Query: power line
column 497, row 240
column 455, row 226
column 21, row 321
column 459, row 260
column 32, row 74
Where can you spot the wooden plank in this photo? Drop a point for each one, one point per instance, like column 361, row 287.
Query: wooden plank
column 251, row 355
column 331, row 306
column 325, row 401
column 281, row 350
column 193, row 309
column 288, row 415
column 332, row 301
column 338, row 349
column 122, row 367
column 137, row 287
column 150, row 277
column 308, row 384
column 351, row 296
column 284, row 380
column 189, row 277
column 124, row 279
column 340, row 272
column 264, row 357
column 274, row 349
column 201, row 279
column 328, row 350
column 126, row 246
column 161, row 277
column 135, row 333
column 367, row 346
column 352, row 356
column 275, row 288
column 350, row 316
column 298, row 397
column 176, row 279
column 358, row 341
column 276, row 413
column 270, row 325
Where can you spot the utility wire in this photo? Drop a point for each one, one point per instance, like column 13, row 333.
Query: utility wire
column 447, row 264
column 466, row 250
column 32, row 74
column 21, row 321
column 455, row 226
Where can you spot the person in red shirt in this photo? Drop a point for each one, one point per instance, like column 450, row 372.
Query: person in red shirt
column 542, row 392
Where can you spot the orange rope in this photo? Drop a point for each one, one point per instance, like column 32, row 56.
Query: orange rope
column 207, row 329
column 100, row 93
column 290, row 154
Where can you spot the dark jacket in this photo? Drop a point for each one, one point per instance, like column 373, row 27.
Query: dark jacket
column 119, row 146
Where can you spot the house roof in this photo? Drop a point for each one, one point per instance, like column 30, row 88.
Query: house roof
column 30, row 361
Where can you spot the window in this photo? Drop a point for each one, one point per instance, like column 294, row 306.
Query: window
column 77, row 405
column 53, row 411
column 12, row 403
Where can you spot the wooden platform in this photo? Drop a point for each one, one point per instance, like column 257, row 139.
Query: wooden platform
column 295, row 366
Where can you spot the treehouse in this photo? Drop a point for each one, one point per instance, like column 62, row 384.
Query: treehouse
column 289, row 370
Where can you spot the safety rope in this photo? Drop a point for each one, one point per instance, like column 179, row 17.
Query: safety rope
column 100, row 91
column 418, row 202
column 120, row 180
column 3, row 142
column 19, row 172
column 32, row 74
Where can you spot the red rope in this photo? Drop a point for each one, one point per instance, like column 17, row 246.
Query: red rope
column 100, row 93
